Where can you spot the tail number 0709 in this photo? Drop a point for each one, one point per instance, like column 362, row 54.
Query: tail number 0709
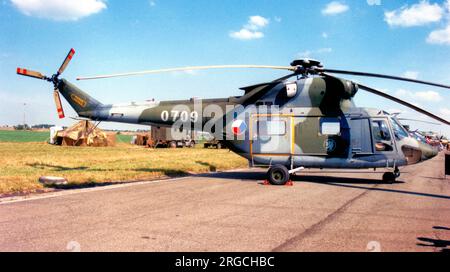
column 184, row 116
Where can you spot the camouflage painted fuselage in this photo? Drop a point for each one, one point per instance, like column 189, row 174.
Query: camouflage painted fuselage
column 316, row 126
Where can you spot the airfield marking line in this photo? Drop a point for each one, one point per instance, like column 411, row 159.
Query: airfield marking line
column 16, row 199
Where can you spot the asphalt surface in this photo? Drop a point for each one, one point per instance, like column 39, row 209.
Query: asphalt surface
column 232, row 211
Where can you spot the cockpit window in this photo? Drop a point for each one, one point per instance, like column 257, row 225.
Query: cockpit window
column 399, row 131
column 380, row 131
column 382, row 135
column 419, row 137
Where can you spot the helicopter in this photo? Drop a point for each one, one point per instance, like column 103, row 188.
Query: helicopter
column 306, row 119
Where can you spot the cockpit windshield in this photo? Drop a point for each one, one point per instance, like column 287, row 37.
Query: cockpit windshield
column 399, row 131
column 419, row 137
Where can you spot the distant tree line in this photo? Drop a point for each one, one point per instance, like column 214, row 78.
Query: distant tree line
column 46, row 126
column 27, row 127
column 22, row 127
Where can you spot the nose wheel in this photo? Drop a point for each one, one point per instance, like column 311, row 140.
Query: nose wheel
column 278, row 175
column 389, row 177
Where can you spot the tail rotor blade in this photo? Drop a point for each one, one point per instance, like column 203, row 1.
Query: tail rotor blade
column 30, row 73
column 59, row 107
column 66, row 61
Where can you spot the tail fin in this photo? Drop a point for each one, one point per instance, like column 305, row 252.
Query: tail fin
column 80, row 101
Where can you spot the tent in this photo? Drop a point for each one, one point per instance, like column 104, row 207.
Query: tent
column 84, row 133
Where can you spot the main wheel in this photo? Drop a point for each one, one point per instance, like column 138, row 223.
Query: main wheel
column 278, row 175
column 389, row 177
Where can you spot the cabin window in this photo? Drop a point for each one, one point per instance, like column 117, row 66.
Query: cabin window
column 381, row 135
column 381, row 131
column 271, row 128
column 330, row 126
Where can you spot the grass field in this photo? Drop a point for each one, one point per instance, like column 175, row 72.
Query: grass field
column 21, row 164
column 20, row 136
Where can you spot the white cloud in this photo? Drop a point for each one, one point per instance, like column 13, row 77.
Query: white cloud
column 251, row 30
column 334, row 8
column 59, row 10
column 427, row 96
column 374, row 2
column 430, row 96
column 245, row 34
column 423, row 13
column 256, row 22
column 310, row 53
column 402, row 93
column 411, row 74
column 445, row 112
column 418, row 14
column 441, row 36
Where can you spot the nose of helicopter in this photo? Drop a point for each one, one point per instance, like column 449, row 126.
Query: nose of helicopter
column 416, row 151
column 428, row 151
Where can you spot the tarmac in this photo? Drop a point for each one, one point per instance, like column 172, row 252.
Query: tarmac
column 232, row 211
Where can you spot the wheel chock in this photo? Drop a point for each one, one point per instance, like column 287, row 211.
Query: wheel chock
column 288, row 183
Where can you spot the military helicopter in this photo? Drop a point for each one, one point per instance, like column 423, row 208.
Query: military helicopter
column 285, row 124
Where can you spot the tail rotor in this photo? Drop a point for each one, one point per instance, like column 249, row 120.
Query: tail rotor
column 53, row 79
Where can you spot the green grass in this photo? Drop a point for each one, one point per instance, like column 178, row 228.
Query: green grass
column 121, row 138
column 20, row 136
column 21, row 164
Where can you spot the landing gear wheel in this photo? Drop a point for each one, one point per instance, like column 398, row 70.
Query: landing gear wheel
column 389, row 177
column 397, row 172
column 278, row 175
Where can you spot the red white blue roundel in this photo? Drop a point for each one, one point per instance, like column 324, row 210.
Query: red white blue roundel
column 238, row 127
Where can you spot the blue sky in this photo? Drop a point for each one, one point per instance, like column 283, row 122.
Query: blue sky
column 410, row 38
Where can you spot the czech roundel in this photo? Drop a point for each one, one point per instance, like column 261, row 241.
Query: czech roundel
column 238, row 127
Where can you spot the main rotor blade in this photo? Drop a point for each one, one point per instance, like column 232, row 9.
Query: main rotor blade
column 58, row 104
column 404, row 103
column 66, row 61
column 190, row 68
column 381, row 76
column 30, row 73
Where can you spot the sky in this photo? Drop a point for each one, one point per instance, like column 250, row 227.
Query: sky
column 404, row 38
